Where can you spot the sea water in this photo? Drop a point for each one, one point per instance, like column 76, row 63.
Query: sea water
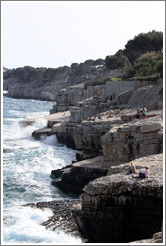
column 27, row 165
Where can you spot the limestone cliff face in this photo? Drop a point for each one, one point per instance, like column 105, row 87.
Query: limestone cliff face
column 119, row 208
column 133, row 140
column 149, row 95
column 33, row 89
column 80, row 133
column 70, row 96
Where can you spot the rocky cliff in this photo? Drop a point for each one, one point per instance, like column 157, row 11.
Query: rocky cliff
column 79, row 132
column 120, row 208
column 47, row 83
column 70, row 96
column 129, row 141
column 112, row 199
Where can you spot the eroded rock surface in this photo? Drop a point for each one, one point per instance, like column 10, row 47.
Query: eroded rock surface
column 119, row 208
column 133, row 140
column 80, row 174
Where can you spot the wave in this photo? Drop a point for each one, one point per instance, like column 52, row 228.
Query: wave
column 27, row 166
column 24, row 226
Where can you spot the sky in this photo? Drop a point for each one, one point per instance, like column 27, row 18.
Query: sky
column 59, row 33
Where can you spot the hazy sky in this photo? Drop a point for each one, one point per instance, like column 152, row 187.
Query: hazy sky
column 58, row 33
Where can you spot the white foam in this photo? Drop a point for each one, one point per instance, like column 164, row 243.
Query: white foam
column 27, row 167
column 27, row 228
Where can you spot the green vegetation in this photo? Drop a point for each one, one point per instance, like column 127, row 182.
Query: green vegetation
column 27, row 74
column 24, row 74
column 112, row 79
column 142, row 78
column 146, row 65
column 142, row 56
column 117, row 61
column 143, row 43
column 86, row 68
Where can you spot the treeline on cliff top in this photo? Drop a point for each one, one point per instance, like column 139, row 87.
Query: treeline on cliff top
column 141, row 57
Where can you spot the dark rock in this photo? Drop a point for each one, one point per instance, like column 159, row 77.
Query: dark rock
column 62, row 218
column 58, row 172
column 39, row 134
column 80, row 174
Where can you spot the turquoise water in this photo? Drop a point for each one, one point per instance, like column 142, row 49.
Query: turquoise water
column 27, row 164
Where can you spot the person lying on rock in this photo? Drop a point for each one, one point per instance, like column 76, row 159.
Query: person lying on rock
column 91, row 119
column 132, row 168
column 143, row 173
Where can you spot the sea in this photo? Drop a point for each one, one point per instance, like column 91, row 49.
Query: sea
column 26, row 175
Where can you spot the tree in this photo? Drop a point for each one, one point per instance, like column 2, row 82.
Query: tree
column 144, row 42
column 74, row 66
column 98, row 62
column 159, row 68
column 89, row 62
column 116, row 61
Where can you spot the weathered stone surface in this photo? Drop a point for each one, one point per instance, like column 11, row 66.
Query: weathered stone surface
column 119, row 208
column 147, row 95
column 124, row 97
column 129, row 116
column 132, row 140
column 86, row 135
column 70, row 96
column 89, row 108
column 80, row 173
column 58, row 172
column 151, row 161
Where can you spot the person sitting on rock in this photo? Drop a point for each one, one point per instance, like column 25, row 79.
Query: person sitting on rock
column 143, row 112
column 138, row 114
column 147, row 172
column 143, row 173
column 132, row 168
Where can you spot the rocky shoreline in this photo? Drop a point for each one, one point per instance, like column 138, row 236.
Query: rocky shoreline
column 110, row 199
column 62, row 219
